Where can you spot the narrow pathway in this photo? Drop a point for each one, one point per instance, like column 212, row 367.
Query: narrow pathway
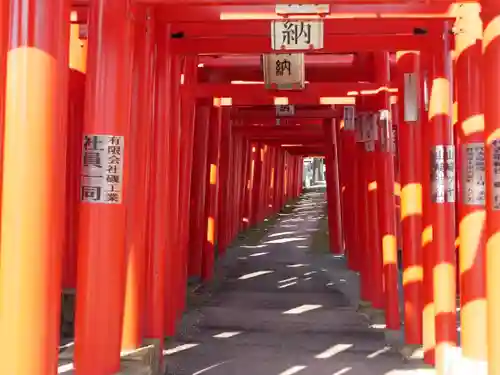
column 277, row 313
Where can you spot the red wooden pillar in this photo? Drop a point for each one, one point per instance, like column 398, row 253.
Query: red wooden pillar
column 410, row 139
column 33, row 204
column 332, row 187
column 348, row 169
column 386, row 200
column 361, row 221
column 257, row 160
column 188, row 106
column 212, row 190
column 232, row 196
column 272, row 181
column 246, row 164
column 158, row 257
column 174, row 272
column 471, row 203
column 240, row 186
column 264, row 182
column 225, row 185
column 250, row 180
column 198, row 189
column 4, row 45
column 102, row 227
column 490, row 14
column 76, row 108
column 286, row 178
column 137, row 206
column 428, row 330
column 298, row 180
column 373, row 230
column 442, row 154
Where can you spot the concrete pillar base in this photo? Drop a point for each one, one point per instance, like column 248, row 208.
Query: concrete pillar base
column 364, row 305
column 411, row 352
column 150, row 356
column 376, row 316
column 394, row 338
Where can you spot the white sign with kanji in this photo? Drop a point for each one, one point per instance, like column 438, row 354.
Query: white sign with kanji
column 411, row 105
column 284, row 9
column 349, row 117
column 102, row 169
column 285, row 110
column 284, row 71
column 385, row 129
column 473, row 174
column 369, row 127
column 297, row 35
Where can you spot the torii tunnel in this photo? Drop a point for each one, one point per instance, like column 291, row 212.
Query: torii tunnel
column 139, row 139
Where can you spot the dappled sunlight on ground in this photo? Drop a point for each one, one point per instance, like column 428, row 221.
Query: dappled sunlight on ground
column 283, row 310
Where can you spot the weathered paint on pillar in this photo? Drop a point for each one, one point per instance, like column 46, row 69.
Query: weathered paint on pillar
column 410, row 156
column 332, row 187
column 199, row 172
column 137, row 205
column 386, row 199
column 33, row 204
column 212, row 190
column 490, row 15
column 442, row 158
column 471, row 201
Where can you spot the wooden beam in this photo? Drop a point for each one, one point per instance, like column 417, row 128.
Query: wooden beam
column 258, row 114
column 228, row 90
column 356, row 26
column 332, row 44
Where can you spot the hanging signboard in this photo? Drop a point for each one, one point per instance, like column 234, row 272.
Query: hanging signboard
column 443, row 174
column 369, row 127
column 285, row 110
column 102, row 169
column 473, row 177
column 285, row 9
column 297, row 35
column 284, row 71
column 358, row 129
column 349, row 117
column 495, row 165
column 411, row 107
column 395, row 136
column 385, row 130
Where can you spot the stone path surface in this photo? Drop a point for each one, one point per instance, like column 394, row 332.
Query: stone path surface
column 280, row 309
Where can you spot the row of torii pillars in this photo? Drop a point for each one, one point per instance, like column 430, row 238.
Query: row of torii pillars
column 35, row 166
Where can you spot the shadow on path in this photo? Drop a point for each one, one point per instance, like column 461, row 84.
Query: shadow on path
column 279, row 309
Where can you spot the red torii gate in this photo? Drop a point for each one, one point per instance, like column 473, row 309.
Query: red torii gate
column 109, row 92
